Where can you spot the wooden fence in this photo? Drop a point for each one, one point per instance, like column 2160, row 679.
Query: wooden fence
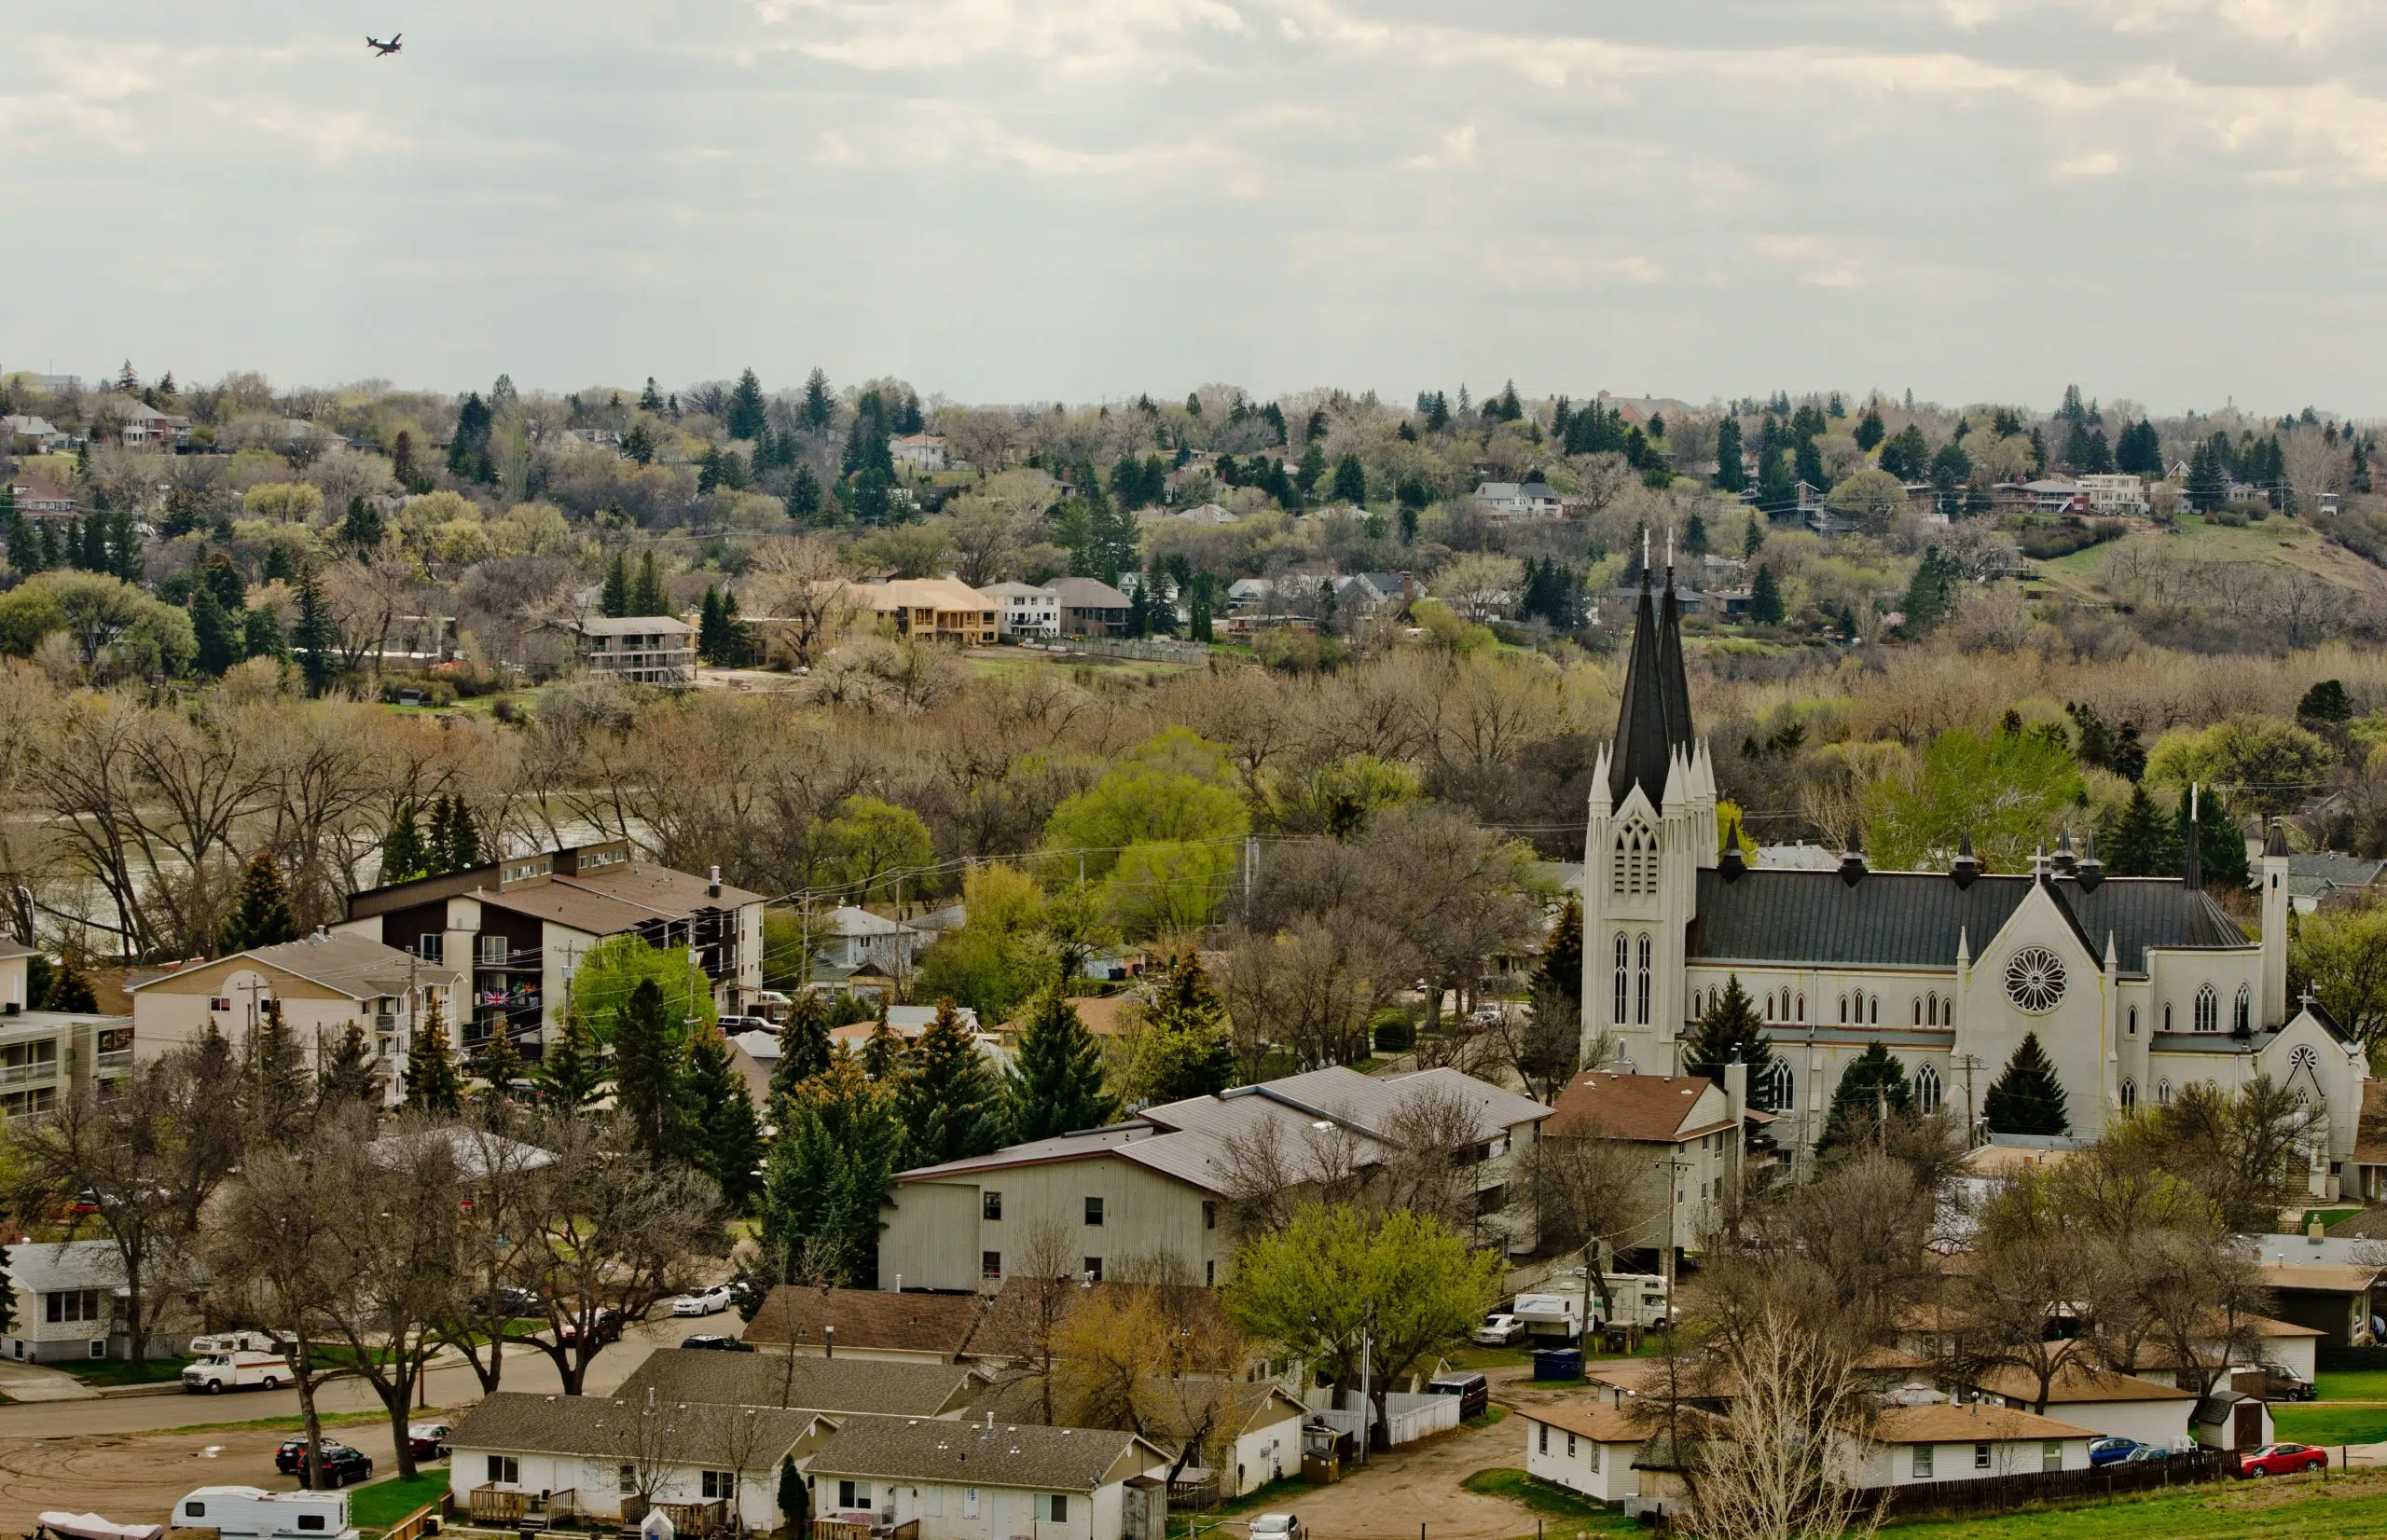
column 508, row 1508
column 1993, row 1494
column 838, row 1528
column 423, row 1520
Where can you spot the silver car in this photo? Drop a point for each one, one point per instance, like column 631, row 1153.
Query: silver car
column 1279, row 1526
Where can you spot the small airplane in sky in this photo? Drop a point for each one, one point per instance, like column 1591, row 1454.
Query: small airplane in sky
column 382, row 50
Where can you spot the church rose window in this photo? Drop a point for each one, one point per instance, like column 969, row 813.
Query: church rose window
column 2034, row 979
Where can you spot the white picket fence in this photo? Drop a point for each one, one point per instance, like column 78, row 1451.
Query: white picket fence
column 1407, row 1418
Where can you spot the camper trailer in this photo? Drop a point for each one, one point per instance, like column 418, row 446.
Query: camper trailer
column 252, row 1512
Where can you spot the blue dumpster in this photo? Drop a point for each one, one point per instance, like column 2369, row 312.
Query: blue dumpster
column 1558, row 1364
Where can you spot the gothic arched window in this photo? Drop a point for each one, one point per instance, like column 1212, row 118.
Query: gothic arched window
column 2208, row 1009
column 1641, row 983
column 1876, row 1019
column 2134, row 1020
column 1918, row 1011
column 1623, row 954
column 1844, row 1010
column 2162, row 1093
column 2242, row 1016
column 1801, row 1015
column 1780, row 1086
column 2130, row 1095
column 2167, row 1015
column 1926, row 1090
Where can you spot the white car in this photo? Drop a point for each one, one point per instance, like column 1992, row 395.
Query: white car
column 704, row 1302
column 1498, row 1331
column 1279, row 1526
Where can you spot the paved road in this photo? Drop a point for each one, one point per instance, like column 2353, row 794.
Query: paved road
column 452, row 1386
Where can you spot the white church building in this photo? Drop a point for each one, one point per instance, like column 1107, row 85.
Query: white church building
column 2136, row 986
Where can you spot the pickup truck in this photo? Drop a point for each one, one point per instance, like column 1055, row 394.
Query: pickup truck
column 218, row 1373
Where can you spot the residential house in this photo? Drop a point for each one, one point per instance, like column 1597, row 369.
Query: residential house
column 21, row 433
column 1907, row 1446
column 1024, row 612
column 919, row 451
column 938, row 609
column 1586, row 1446
column 2272, row 1344
column 322, row 983
column 865, row 1324
column 523, row 924
column 2116, row 1406
column 1518, row 500
column 2330, row 1285
column 1249, row 1432
column 2115, row 496
column 516, row 1454
column 1015, row 1330
column 2315, row 876
column 1205, row 513
column 1365, row 592
column 1090, row 606
column 38, row 498
column 987, row 1481
column 147, row 427
column 905, row 1023
column 69, row 1299
column 47, row 1054
column 814, row 1382
column 1162, row 1182
column 1684, row 1137
column 848, row 936
column 640, row 649
column 593, row 438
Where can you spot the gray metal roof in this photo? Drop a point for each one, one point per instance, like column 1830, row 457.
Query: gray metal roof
column 1916, row 919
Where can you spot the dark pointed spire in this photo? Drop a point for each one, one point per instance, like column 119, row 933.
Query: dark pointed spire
column 1966, row 866
column 1653, row 717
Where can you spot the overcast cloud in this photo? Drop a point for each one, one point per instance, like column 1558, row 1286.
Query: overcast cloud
column 2178, row 201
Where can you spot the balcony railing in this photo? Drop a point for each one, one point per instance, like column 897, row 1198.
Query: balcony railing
column 35, row 1073
column 115, row 1059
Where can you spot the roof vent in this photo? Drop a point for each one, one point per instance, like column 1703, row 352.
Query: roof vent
column 1966, row 866
column 712, row 888
column 1852, row 862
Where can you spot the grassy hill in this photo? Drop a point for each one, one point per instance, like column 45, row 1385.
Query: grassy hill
column 2277, row 541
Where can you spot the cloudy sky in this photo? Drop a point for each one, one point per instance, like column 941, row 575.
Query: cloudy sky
column 2176, row 201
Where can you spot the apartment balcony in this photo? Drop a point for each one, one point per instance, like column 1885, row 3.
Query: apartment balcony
column 37, row 1072
column 116, row 1061
column 495, row 961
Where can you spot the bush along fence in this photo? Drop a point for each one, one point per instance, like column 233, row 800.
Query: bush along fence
column 1996, row 1494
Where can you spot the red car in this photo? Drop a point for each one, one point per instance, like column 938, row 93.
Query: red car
column 2283, row 1459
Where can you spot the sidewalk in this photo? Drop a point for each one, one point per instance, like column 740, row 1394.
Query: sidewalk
column 21, row 1382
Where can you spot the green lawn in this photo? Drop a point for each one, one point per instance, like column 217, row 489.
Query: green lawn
column 2331, row 1425
column 1485, row 1418
column 1546, row 1499
column 2351, row 1384
column 2298, row 1509
column 378, row 1504
column 119, row 1372
column 1472, row 1357
column 1273, row 1495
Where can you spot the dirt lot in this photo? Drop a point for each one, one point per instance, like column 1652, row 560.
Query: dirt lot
column 137, row 1478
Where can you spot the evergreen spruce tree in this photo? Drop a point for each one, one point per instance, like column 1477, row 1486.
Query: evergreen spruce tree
column 820, row 408
column 573, row 1069
column 804, row 495
column 316, row 638
column 361, row 529
column 727, row 1135
column 277, row 1093
column 2208, row 479
column 736, row 643
column 1184, row 1049
column 1765, row 598
column 882, row 1053
column 2139, row 839
column 613, row 600
column 1752, row 538
column 1558, row 973
column 24, row 542
column 220, row 642
column 2027, row 1097
column 261, row 634
column 432, row 1084
column 1729, row 1030
column 2325, row 702
column 1351, row 480
column 260, row 908
column 744, row 419
column 348, row 1072
column 403, row 856
column 460, row 848
column 650, row 399
column 1056, row 1082
column 804, row 1044
column 949, row 1102
column 95, row 545
column 827, row 1177
column 500, row 1066
column 2221, row 845
column 1731, row 475
column 1695, row 537
column 647, row 1069
column 710, row 645
column 1874, row 1083
column 646, row 594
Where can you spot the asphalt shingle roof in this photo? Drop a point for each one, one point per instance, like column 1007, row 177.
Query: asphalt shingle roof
column 907, row 1448
column 800, row 1379
column 1915, row 920
column 689, row 1433
column 866, row 1318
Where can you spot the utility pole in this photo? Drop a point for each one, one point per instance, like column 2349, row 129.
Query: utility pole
column 1970, row 1061
column 1673, row 1166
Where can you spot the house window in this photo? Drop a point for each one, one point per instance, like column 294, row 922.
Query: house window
column 1641, row 983
column 627, row 1478
column 1209, row 1214
column 1094, row 1268
column 990, row 1264
column 71, row 1304
column 1059, row 1512
column 1544, row 1431
column 969, row 1502
column 1094, row 1211
column 990, row 1205
column 853, row 1495
column 1594, row 1460
column 2208, row 1009
column 432, row 947
column 2051, row 1456
column 1622, row 954
column 1981, row 1457
column 1923, row 1462
column 1926, row 1090
column 1570, row 1445
column 504, row 1470
column 719, row 1484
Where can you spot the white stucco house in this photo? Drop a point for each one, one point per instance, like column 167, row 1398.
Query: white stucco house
column 1586, row 1446
column 1907, row 1446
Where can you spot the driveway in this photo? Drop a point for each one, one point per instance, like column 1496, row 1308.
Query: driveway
column 1395, row 1493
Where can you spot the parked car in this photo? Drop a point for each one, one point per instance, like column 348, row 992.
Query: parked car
column 702, row 1301
column 1279, row 1526
column 608, row 1326
column 1498, row 1331
column 2278, row 1384
column 244, row 1370
column 716, row 1342
column 511, row 1301
column 1474, row 1391
column 427, row 1440
column 342, row 1466
column 2147, row 1454
column 2283, row 1459
column 2112, row 1452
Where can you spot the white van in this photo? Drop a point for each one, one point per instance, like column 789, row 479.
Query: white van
column 252, row 1512
column 241, row 1369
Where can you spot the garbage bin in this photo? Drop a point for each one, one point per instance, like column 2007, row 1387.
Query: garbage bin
column 1558, row 1364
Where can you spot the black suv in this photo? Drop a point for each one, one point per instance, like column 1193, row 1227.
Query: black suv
column 342, row 1466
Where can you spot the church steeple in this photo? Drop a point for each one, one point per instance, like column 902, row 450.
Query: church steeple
column 1653, row 718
